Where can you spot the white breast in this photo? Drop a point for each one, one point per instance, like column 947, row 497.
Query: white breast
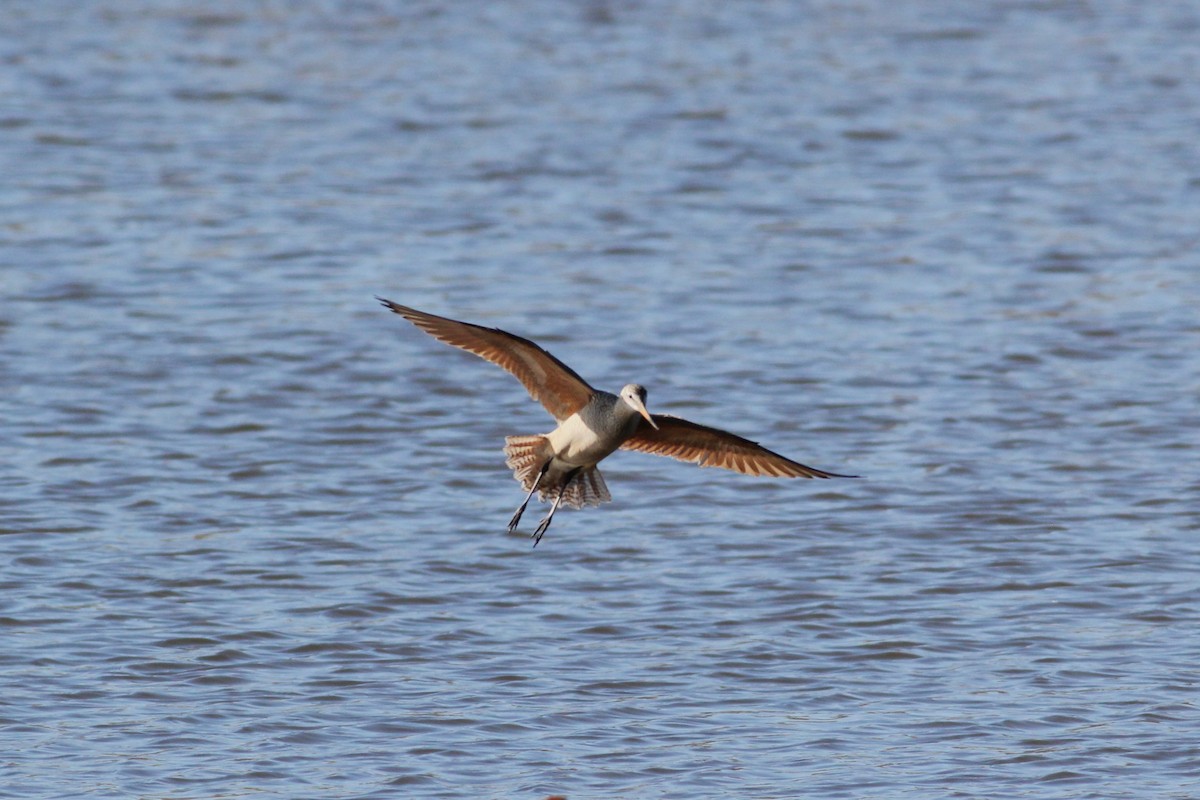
column 583, row 439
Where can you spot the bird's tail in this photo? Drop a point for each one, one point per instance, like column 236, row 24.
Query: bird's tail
column 527, row 454
column 586, row 489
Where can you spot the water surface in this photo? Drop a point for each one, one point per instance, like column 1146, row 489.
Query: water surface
column 253, row 525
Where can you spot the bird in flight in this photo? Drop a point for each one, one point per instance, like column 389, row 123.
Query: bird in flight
column 561, row 465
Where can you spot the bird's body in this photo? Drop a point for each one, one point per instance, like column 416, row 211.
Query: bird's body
column 574, row 448
column 592, row 424
column 595, row 431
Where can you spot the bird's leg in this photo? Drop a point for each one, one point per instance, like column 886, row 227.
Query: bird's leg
column 540, row 530
column 516, row 518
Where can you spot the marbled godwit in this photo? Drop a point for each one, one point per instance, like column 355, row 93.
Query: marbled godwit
column 561, row 465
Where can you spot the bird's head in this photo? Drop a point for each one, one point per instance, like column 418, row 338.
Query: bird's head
column 634, row 396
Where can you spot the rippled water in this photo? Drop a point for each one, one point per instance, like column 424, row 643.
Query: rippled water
column 253, row 525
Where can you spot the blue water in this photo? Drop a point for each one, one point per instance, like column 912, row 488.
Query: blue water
column 252, row 524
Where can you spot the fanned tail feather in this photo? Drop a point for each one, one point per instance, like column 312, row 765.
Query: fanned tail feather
column 526, row 454
column 587, row 489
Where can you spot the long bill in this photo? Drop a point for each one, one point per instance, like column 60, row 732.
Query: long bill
column 640, row 407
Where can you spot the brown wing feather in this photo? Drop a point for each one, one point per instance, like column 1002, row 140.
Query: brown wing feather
column 549, row 381
column 713, row 447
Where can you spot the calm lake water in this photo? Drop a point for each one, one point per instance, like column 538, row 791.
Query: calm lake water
column 253, row 524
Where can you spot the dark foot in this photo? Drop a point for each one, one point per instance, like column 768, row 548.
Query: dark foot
column 541, row 529
column 516, row 519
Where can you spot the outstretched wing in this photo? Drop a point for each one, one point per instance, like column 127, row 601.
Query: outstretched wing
column 549, row 381
column 713, row 447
